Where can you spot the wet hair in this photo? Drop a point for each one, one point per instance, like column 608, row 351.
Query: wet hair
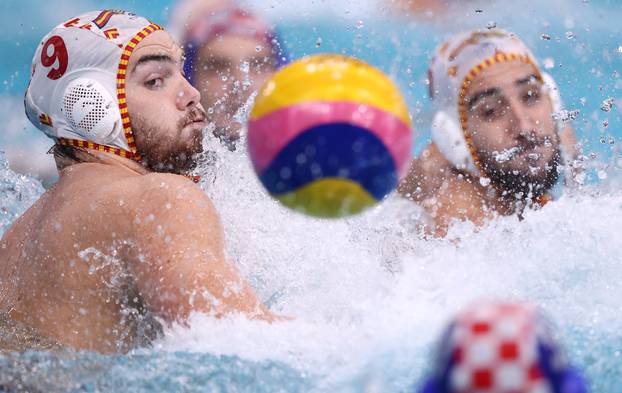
column 65, row 155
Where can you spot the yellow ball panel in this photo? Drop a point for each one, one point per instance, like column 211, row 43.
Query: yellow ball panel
column 329, row 198
column 330, row 78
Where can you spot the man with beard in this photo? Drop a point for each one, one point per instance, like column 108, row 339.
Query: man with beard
column 124, row 241
column 230, row 54
column 495, row 144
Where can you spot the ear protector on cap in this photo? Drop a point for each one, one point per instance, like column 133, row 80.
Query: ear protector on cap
column 91, row 110
column 552, row 89
column 449, row 138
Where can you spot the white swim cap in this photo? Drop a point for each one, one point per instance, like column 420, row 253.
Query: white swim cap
column 76, row 93
column 455, row 64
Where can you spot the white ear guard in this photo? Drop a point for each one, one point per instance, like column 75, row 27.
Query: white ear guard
column 91, row 111
column 448, row 136
column 550, row 86
column 558, row 105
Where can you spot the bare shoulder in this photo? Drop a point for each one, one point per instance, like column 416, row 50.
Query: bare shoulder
column 458, row 199
column 172, row 215
column 125, row 197
column 176, row 190
column 173, row 202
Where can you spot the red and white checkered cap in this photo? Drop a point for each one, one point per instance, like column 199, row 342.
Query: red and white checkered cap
column 502, row 347
column 494, row 349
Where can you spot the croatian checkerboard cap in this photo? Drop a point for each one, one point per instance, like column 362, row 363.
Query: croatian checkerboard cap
column 76, row 93
column 501, row 347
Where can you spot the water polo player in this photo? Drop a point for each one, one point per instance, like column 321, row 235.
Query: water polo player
column 230, row 53
column 501, row 347
column 495, row 144
column 122, row 241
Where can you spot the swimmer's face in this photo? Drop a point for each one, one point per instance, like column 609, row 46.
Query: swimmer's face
column 510, row 120
column 227, row 71
column 165, row 110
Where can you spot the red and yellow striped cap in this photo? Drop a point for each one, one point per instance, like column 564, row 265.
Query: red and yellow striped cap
column 76, row 93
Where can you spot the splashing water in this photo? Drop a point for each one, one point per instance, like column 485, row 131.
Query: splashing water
column 506, row 155
column 368, row 295
column 17, row 193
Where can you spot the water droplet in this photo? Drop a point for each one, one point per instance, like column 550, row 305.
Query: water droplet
column 245, row 67
column 570, row 35
column 478, row 11
column 605, row 123
column 318, row 42
column 224, row 78
column 484, row 181
column 566, row 115
column 548, row 63
column 258, row 48
column 491, row 25
column 533, row 156
column 545, row 37
column 602, row 175
column 360, row 24
column 607, row 104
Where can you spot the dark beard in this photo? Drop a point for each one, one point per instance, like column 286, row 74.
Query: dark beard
column 179, row 164
column 522, row 185
column 176, row 161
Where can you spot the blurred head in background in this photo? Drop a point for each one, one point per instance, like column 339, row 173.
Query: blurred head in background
column 230, row 54
column 501, row 347
column 435, row 10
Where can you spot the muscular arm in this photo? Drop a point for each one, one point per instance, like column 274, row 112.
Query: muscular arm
column 177, row 258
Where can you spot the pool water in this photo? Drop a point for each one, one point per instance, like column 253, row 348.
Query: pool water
column 369, row 295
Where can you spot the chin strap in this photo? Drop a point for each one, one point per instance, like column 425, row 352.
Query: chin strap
column 543, row 199
column 194, row 178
